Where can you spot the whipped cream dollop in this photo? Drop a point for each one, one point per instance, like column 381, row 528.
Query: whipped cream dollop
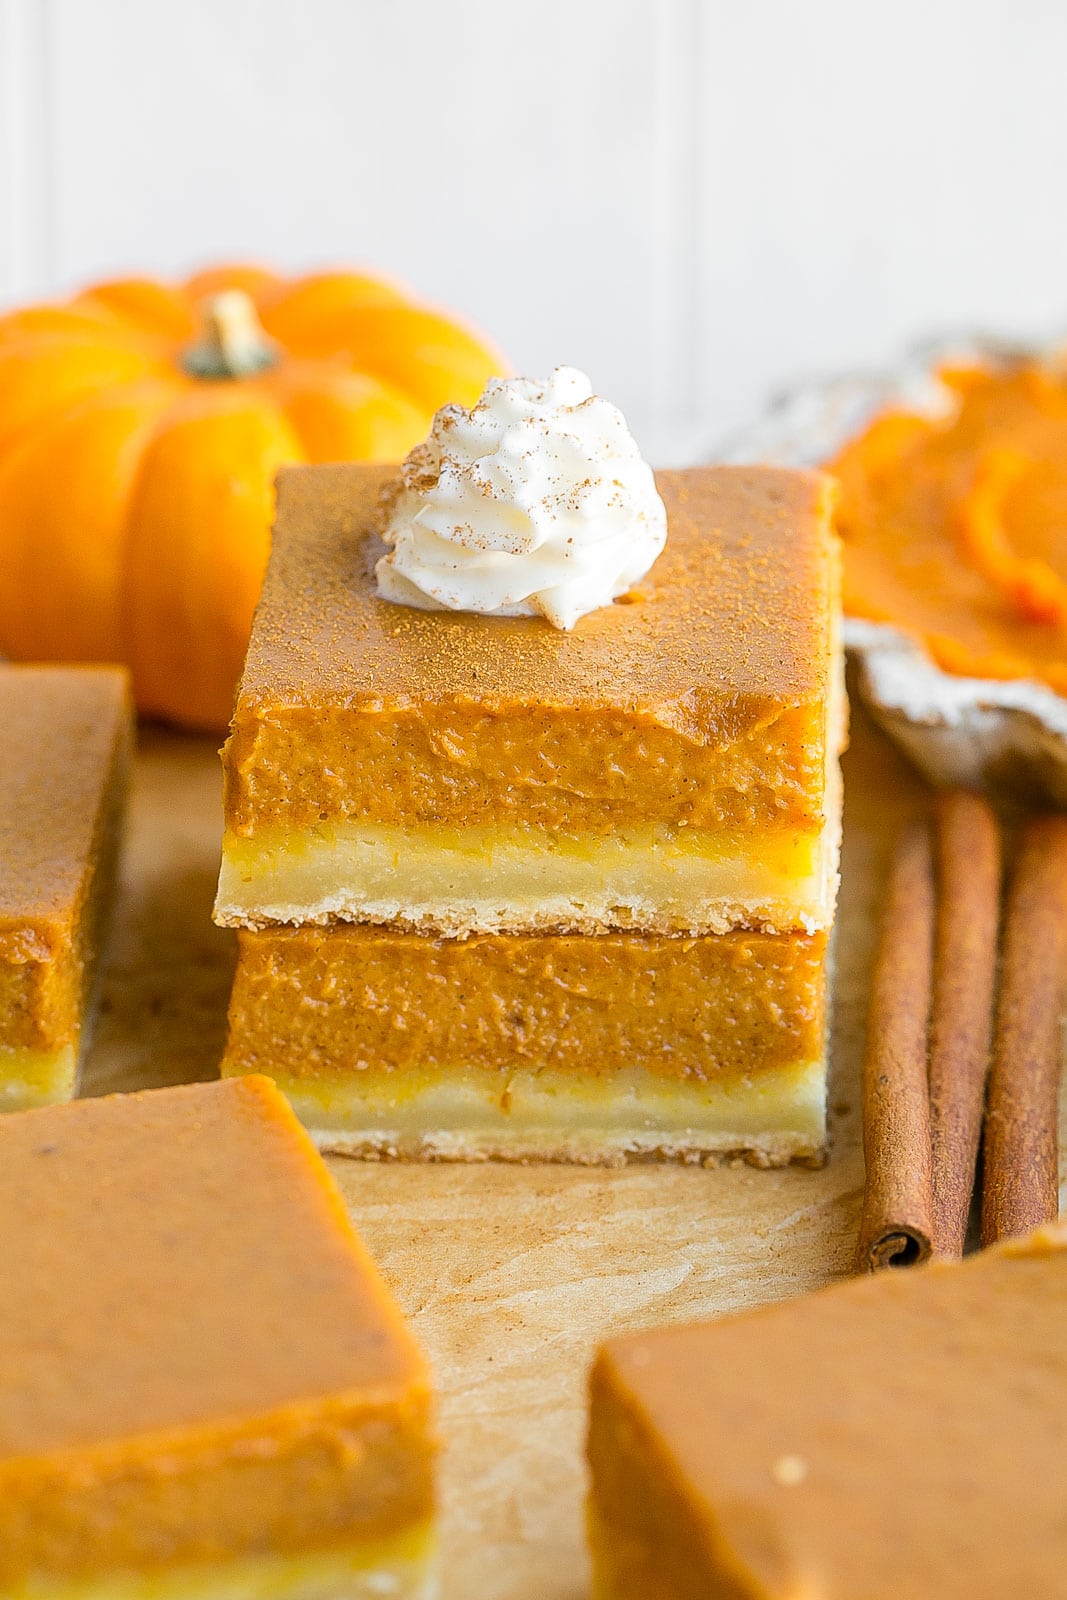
column 535, row 502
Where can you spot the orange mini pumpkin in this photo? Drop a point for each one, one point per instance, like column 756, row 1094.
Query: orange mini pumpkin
column 141, row 426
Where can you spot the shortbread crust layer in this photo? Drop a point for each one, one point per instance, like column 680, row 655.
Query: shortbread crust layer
column 498, row 879
column 576, row 1047
column 542, row 1116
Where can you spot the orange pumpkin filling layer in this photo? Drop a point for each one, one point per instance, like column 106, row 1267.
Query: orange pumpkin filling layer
column 579, row 1046
column 957, row 531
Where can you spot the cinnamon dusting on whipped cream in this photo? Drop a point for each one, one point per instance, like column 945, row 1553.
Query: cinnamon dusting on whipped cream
column 535, row 502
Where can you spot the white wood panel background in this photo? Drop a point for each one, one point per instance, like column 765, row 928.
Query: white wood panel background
column 696, row 200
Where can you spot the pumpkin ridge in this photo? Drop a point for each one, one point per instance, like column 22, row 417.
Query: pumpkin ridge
column 144, row 303
column 92, row 399
column 313, row 301
column 429, row 358
column 341, row 415
column 64, row 536
column 40, row 378
column 199, row 530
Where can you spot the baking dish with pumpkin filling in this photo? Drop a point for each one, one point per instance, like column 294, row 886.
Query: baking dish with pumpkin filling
column 207, row 1391
column 668, row 765
column 589, row 1048
column 67, row 733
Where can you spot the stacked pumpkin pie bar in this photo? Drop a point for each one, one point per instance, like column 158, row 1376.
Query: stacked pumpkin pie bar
column 505, row 889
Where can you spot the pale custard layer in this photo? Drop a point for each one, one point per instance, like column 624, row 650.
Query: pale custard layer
column 498, row 879
column 398, row 1568
column 31, row 1078
column 774, row 1118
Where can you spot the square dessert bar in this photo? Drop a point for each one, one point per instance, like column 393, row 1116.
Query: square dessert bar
column 667, row 766
column 67, row 736
column 205, row 1389
column 893, row 1438
column 581, row 1047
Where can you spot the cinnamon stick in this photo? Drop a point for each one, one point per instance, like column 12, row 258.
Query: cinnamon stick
column 961, row 1022
column 896, row 1226
column 1021, row 1150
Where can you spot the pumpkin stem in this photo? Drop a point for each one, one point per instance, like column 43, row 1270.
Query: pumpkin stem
column 232, row 343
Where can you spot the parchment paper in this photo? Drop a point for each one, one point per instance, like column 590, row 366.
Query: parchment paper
column 509, row 1274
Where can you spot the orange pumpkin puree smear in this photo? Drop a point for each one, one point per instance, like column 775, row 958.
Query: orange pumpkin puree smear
column 957, row 531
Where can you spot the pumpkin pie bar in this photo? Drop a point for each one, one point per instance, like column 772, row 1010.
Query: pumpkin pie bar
column 205, row 1389
column 667, row 766
column 63, row 778
column 897, row 1437
column 581, row 1047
